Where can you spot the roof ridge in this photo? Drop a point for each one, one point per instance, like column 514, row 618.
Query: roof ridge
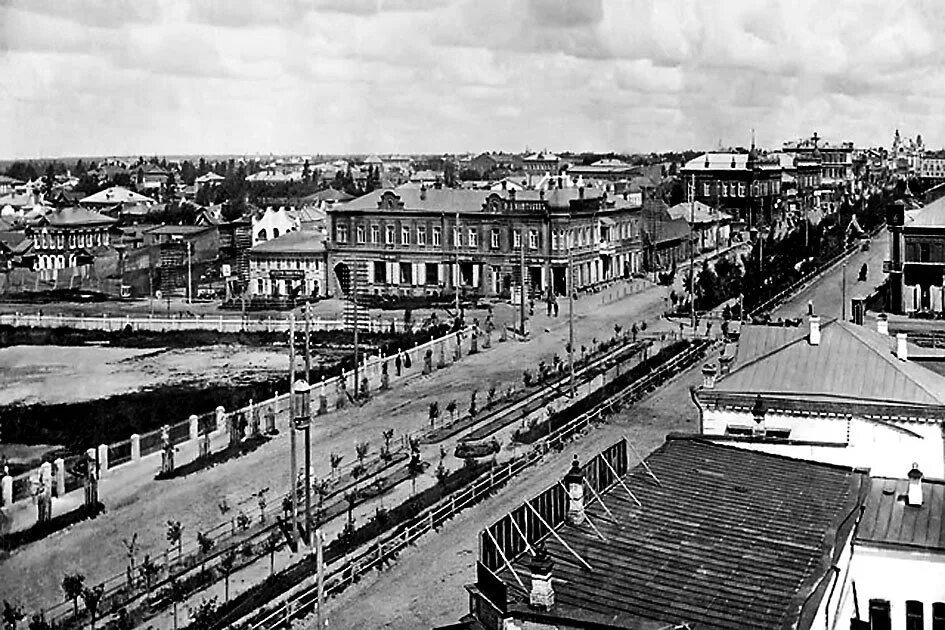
column 894, row 363
column 771, row 352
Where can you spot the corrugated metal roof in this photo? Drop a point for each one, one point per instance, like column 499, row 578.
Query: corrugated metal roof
column 888, row 520
column 851, row 363
column 730, row 538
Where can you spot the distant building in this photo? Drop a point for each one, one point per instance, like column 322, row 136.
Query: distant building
column 698, row 536
column 605, row 170
column 8, row 184
column 831, row 391
column 290, row 266
column 710, row 227
column 932, row 168
column 540, row 165
column 272, row 223
column 905, row 157
column 667, row 241
column 70, row 237
column 116, row 197
column 836, row 159
column 152, row 177
column 745, row 185
column 412, row 240
column 180, row 247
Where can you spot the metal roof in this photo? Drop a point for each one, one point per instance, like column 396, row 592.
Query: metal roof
column 851, row 363
column 728, row 538
column 888, row 520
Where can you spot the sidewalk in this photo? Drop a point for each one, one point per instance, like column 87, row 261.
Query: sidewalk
column 136, row 503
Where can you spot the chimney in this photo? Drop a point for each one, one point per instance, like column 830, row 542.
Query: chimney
column 709, row 374
column 914, row 498
column 882, row 324
column 542, row 595
column 574, row 483
column 902, row 350
column 580, row 192
column 814, row 337
column 758, row 411
column 512, row 194
column 423, row 192
column 541, row 194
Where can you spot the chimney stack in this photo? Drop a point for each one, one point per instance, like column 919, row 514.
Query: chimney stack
column 542, row 595
column 709, row 374
column 914, row 498
column 574, row 483
column 882, row 324
column 902, row 350
column 814, row 337
column 758, row 412
column 580, row 192
column 511, row 194
column 423, row 192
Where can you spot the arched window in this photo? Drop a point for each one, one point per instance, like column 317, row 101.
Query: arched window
column 275, row 232
column 261, row 235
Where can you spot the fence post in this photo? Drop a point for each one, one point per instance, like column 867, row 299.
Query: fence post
column 194, row 427
column 135, row 447
column 59, row 478
column 6, row 490
column 102, row 458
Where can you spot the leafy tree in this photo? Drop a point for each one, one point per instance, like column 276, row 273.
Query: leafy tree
column 72, row 585
column 335, row 461
column 175, row 535
column 12, row 615
column 388, row 435
column 188, row 173
column 131, row 552
column 206, row 544
column 271, row 545
column 204, row 615
column 92, row 597
column 434, row 412
column 361, row 449
column 148, row 570
column 227, row 563
column 38, row 622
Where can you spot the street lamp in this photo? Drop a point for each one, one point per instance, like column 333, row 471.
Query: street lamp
column 302, row 421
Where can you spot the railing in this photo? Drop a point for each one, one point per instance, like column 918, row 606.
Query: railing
column 195, row 322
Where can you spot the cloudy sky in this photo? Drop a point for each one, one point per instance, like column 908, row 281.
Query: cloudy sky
column 109, row 77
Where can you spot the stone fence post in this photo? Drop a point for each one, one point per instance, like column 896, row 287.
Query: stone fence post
column 220, row 419
column 6, row 490
column 135, row 447
column 102, row 458
column 194, row 427
column 59, row 480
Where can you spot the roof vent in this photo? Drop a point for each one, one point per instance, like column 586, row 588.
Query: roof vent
column 574, row 483
column 882, row 324
column 914, row 498
column 423, row 192
column 709, row 374
column 902, row 350
column 542, row 595
column 814, row 337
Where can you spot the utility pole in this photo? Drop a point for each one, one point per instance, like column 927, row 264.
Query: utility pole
column 308, row 349
column 522, row 292
column 293, row 485
column 843, row 292
column 189, row 278
column 692, row 257
column 570, row 287
column 456, row 243
column 354, row 299
column 320, row 568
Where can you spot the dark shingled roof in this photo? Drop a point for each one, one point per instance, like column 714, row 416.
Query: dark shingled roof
column 732, row 538
column 295, row 242
column 888, row 521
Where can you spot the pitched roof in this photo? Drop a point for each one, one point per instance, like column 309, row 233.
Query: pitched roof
column 702, row 212
column 440, row 199
column 296, row 242
column 888, row 520
column 728, row 538
column 851, row 363
column 718, row 162
column 542, row 156
column 328, row 194
column 932, row 215
column 116, row 194
column 65, row 217
column 183, row 230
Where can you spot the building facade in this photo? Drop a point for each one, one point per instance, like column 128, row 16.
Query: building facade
column 540, row 165
column 291, row 266
column 916, row 264
column 745, row 185
column 836, row 159
column 70, row 237
column 425, row 241
column 932, row 167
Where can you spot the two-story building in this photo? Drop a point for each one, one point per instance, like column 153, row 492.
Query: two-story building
column 710, row 227
column 430, row 240
column 745, row 185
column 836, row 159
column 539, row 165
column 291, row 266
column 70, row 237
column 916, row 263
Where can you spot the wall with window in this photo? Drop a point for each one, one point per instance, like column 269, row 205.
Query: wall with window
column 883, row 448
column 896, row 589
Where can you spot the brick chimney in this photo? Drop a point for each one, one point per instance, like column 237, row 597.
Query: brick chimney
column 902, row 350
column 574, row 483
column 914, row 497
column 542, row 595
column 814, row 336
column 882, row 324
column 709, row 374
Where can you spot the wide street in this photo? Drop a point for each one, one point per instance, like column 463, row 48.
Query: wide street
column 139, row 504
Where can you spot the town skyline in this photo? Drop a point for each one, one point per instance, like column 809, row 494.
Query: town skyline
column 378, row 77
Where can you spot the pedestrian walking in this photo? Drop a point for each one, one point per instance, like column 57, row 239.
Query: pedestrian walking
column 398, row 363
column 406, row 360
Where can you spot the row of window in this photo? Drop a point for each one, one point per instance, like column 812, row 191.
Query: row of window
column 881, row 615
column 80, row 239
column 286, row 263
column 469, row 237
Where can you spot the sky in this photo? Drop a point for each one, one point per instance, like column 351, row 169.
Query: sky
column 173, row 77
